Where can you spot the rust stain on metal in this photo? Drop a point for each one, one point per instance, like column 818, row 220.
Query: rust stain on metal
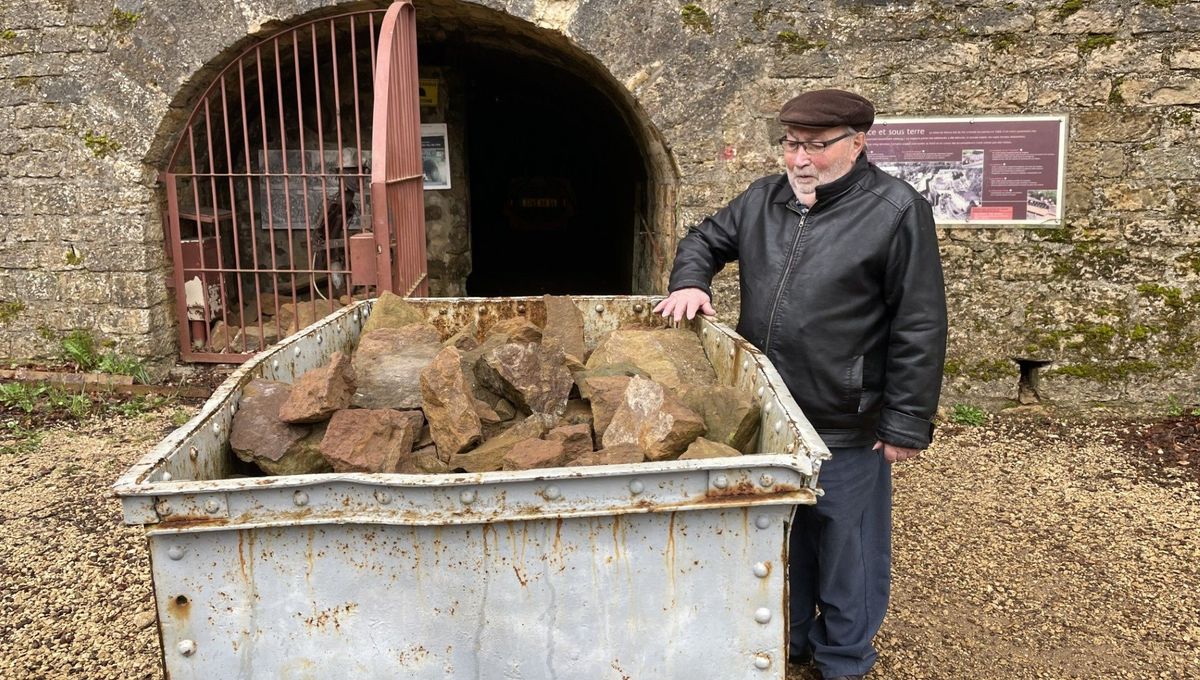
column 179, row 607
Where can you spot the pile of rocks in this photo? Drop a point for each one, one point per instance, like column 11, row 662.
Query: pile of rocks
column 520, row 397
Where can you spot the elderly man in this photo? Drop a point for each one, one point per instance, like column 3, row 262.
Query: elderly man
column 841, row 288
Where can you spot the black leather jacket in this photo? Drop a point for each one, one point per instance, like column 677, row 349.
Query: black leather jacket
column 845, row 298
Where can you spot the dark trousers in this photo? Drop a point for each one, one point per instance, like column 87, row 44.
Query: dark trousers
column 840, row 564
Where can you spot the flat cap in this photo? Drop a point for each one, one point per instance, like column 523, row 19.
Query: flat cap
column 828, row 108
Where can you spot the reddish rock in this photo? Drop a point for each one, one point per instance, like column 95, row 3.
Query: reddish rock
column 423, row 461
column 486, row 413
column 576, row 439
column 654, row 420
column 388, row 365
column 370, row 440
column 612, row 455
column 704, row 448
column 516, row 329
column 534, row 453
column 532, row 377
column 454, row 421
column 564, row 326
column 605, row 394
column 578, row 412
column 490, row 455
column 297, row 315
column 258, row 435
column 320, row 392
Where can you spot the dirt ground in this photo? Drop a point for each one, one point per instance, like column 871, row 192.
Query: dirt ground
column 1035, row 546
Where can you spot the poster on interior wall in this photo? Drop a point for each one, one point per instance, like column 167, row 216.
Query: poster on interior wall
column 428, row 92
column 985, row 171
column 435, row 156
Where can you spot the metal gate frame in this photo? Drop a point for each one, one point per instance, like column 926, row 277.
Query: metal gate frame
column 397, row 181
column 202, row 182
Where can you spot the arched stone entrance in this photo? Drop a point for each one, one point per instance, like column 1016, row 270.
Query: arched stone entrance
column 555, row 181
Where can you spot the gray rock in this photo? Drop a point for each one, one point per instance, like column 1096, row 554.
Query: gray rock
column 730, row 416
column 388, row 365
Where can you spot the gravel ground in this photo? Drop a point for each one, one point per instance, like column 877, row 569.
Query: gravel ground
column 1032, row 547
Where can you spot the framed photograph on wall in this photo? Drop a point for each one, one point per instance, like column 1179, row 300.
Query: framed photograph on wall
column 435, row 156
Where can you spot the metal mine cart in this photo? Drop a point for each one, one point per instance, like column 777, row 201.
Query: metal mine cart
column 650, row 571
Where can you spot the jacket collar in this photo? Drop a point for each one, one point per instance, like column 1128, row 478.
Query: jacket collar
column 827, row 192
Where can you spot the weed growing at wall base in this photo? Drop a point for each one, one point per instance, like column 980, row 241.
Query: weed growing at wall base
column 965, row 414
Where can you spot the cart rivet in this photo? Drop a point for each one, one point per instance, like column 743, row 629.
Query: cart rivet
column 703, row 331
column 275, row 364
column 732, row 351
column 721, row 481
column 211, row 506
column 778, row 426
column 745, row 365
column 175, row 552
column 217, row 428
column 767, row 408
column 296, row 351
column 521, row 308
column 320, row 339
column 300, row 498
column 552, row 493
column 599, row 309
column 760, row 389
column 638, row 308
column 762, row 662
column 467, row 497
column 762, row 522
column 762, row 615
column 186, row 647
column 767, row 481
column 636, row 487
column 166, row 477
column 383, row 497
column 761, row 569
column 193, row 453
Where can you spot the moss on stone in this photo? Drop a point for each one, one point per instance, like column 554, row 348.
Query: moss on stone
column 24, row 82
column 99, row 144
column 1181, row 116
column 1114, row 93
column 1171, row 297
column 797, row 44
column 1106, row 371
column 1189, row 261
column 992, row 369
column 1001, row 42
column 9, row 310
column 759, row 19
column 1161, row 4
column 8, row 34
column 73, row 257
column 694, row 17
column 1089, row 259
column 1068, row 8
column 122, row 20
column 1095, row 41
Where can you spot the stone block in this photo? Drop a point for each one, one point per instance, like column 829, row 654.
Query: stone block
column 654, row 420
column 370, row 440
column 317, row 394
column 529, row 454
column 454, row 423
column 258, row 435
column 564, row 326
column 620, row 454
column 389, row 362
column 532, row 376
column 702, row 449
column 1122, row 125
column 671, row 357
column 490, row 455
column 392, row 311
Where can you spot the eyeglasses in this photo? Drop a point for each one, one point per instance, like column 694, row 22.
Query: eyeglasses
column 812, row 148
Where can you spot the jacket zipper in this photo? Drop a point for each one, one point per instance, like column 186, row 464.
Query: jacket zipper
column 783, row 279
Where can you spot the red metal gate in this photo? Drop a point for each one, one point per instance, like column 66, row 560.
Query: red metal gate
column 396, row 180
column 270, row 224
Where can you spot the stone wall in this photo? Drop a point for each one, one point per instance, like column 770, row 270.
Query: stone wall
column 90, row 97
